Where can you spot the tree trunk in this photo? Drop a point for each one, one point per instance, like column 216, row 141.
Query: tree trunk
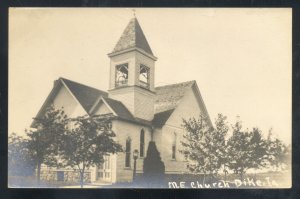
column 203, row 179
column 81, row 178
column 225, row 172
column 241, row 175
column 38, row 176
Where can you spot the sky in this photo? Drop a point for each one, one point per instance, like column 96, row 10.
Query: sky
column 240, row 58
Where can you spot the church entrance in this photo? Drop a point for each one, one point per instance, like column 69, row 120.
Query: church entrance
column 104, row 170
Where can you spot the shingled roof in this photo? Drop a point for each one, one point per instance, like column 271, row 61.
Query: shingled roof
column 161, row 118
column 169, row 96
column 86, row 95
column 133, row 36
column 166, row 100
column 119, row 108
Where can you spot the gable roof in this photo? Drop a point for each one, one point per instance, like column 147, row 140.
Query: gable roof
column 85, row 95
column 166, row 100
column 119, row 108
column 133, row 36
column 161, row 118
column 169, row 96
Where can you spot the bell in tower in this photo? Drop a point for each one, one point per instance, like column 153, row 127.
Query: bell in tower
column 132, row 66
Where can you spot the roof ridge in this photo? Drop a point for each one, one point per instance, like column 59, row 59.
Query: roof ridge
column 110, row 100
column 170, row 85
column 62, row 78
column 85, row 95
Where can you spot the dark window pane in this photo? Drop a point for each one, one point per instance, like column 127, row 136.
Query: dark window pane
column 173, row 151
column 142, row 143
column 128, row 152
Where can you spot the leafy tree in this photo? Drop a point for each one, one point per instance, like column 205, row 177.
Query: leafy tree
column 85, row 144
column 42, row 140
column 19, row 161
column 219, row 136
column 203, row 145
column 246, row 150
column 258, row 149
column 206, row 149
column 153, row 167
column 278, row 154
column 239, row 152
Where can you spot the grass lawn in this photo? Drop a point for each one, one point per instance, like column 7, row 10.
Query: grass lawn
column 31, row 182
column 251, row 180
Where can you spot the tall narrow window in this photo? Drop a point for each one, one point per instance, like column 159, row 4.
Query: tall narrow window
column 174, row 146
column 144, row 77
column 121, row 75
column 142, row 143
column 128, row 152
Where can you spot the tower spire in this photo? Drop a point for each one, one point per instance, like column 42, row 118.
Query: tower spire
column 132, row 66
column 133, row 38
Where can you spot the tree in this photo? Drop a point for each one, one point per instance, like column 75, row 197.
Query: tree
column 85, row 144
column 204, row 146
column 153, row 167
column 42, row 141
column 219, row 136
column 239, row 152
column 278, row 154
column 19, row 161
column 258, row 149
column 246, row 150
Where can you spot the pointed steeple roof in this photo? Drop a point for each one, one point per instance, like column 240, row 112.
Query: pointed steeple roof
column 133, row 37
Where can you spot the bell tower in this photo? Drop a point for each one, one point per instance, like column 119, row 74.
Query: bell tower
column 132, row 67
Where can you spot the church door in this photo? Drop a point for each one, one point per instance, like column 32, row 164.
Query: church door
column 104, row 170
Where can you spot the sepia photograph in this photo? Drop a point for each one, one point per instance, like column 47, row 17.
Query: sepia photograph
column 173, row 98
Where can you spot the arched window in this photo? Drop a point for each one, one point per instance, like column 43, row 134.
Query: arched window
column 128, row 152
column 142, row 143
column 121, row 75
column 144, row 76
column 174, row 146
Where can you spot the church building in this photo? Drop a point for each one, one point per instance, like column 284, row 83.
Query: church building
column 143, row 112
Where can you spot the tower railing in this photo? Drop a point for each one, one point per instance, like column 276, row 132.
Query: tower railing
column 144, row 84
column 121, row 83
